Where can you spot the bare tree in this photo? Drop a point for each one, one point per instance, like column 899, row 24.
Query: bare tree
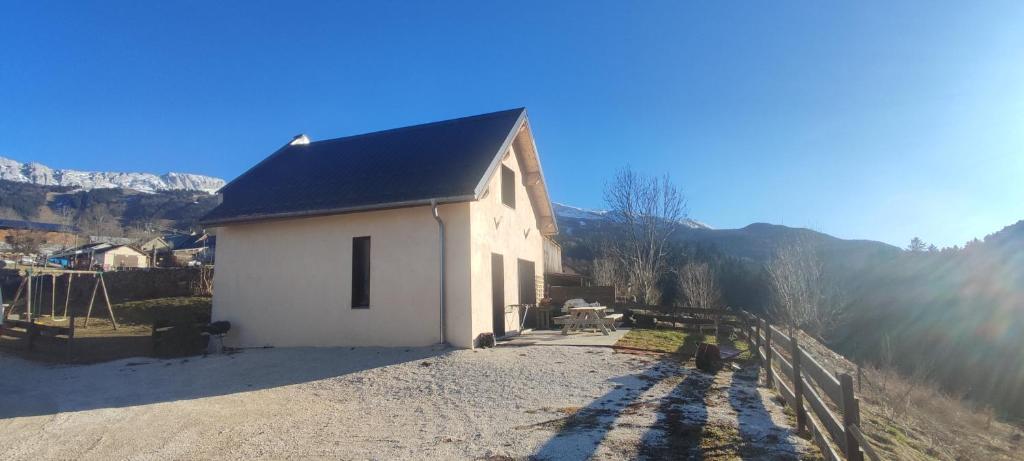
column 25, row 241
column 607, row 273
column 648, row 210
column 66, row 215
column 699, row 286
column 203, row 285
column 803, row 297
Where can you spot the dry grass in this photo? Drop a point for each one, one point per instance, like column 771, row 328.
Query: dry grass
column 679, row 342
column 909, row 418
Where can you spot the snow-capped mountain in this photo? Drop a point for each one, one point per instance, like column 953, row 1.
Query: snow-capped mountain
column 566, row 212
column 37, row 173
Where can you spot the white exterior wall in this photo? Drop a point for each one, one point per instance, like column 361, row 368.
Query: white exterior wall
column 288, row 282
column 107, row 259
column 513, row 233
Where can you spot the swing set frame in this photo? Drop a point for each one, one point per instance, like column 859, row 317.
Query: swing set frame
column 26, row 286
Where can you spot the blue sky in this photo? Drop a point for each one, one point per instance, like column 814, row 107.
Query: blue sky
column 876, row 120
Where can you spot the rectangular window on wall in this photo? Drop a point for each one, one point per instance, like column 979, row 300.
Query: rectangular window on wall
column 508, row 186
column 361, row 272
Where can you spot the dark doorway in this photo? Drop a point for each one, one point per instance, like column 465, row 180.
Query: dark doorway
column 527, row 283
column 498, row 293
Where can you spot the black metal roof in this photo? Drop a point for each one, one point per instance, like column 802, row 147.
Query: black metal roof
column 444, row 161
column 190, row 241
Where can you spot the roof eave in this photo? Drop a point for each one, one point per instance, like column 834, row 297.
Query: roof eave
column 496, row 159
column 522, row 123
column 244, row 219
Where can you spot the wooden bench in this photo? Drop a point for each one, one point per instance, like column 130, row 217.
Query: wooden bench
column 562, row 319
column 610, row 319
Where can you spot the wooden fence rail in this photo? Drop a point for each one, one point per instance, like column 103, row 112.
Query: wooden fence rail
column 824, row 402
column 691, row 316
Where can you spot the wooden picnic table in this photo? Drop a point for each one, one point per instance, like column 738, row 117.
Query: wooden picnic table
column 585, row 316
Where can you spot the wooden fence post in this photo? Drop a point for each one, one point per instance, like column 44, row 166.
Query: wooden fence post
column 757, row 339
column 851, row 417
column 798, row 383
column 30, row 331
column 71, row 338
column 768, row 351
column 751, row 339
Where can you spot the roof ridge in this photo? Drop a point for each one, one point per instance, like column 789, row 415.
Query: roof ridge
column 443, row 160
column 422, row 125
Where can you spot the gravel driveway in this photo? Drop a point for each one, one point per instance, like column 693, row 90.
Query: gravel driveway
column 532, row 402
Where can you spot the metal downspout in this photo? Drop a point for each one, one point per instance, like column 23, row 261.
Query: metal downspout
column 440, row 228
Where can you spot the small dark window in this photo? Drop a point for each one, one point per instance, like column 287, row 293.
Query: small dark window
column 361, row 272
column 508, row 186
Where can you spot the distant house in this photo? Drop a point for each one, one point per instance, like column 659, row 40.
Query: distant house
column 404, row 237
column 177, row 250
column 105, row 256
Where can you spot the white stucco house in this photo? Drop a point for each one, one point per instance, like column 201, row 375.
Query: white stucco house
column 405, row 237
column 104, row 256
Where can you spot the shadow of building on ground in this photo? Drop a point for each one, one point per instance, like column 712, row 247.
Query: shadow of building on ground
column 581, row 433
column 30, row 389
column 682, row 417
column 759, row 435
column 682, row 428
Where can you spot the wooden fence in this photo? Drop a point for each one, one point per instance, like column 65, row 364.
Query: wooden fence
column 30, row 330
column 560, row 294
column 824, row 402
column 690, row 315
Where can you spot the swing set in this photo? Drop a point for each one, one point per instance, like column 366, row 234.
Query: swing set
column 33, row 283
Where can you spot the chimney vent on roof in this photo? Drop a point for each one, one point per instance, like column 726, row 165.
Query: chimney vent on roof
column 299, row 140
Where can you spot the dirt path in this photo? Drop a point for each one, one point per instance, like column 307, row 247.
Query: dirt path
column 534, row 402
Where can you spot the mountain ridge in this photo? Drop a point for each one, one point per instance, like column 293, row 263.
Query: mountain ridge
column 571, row 212
column 756, row 241
column 43, row 175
